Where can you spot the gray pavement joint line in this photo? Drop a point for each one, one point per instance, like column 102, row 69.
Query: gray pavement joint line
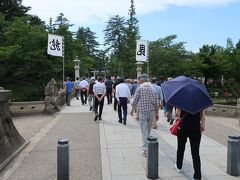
column 103, row 129
column 33, row 142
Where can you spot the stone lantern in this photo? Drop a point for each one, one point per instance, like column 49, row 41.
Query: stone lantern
column 77, row 67
column 139, row 68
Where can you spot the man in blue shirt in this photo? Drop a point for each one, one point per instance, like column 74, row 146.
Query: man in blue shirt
column 68, row 89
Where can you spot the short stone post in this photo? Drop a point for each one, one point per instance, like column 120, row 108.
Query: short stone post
column 233, row 155
column 152, row 158
column 63, row 160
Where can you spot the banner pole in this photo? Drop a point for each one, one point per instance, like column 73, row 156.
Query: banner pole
column 63, row 74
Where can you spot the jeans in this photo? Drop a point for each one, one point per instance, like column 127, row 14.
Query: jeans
column 91, row 100
column 68, row 97
column 195, row 139
column 145, row 120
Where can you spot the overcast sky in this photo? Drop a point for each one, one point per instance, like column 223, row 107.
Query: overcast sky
column 196, row 22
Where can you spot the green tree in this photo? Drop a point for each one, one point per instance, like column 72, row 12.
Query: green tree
column 114, row 35
column 211, row 58
column 89, row 50
column 24, row 55
column 88, row 40
column 13, row 8
column 166, row 57
column 132, row 34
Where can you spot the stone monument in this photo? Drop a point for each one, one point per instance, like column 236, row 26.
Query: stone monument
column 51, row 93
column 10, row 139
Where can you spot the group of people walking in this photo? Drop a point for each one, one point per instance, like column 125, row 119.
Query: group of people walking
column 147, row 98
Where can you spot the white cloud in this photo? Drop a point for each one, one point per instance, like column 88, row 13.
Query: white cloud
column 98, row 11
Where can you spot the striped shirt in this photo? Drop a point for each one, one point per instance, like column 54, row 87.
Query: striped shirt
column 99, row 88
column 145, row 98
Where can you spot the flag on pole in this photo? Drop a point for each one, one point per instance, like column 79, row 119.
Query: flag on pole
column 142, row 50
column 55, row 45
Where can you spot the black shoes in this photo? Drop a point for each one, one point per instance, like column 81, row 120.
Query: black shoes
column 90, row 108
column 120, row 121
column 100, row 119
column 95, row 118
column 124, row 121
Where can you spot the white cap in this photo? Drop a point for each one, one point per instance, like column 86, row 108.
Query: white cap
column 92, row 78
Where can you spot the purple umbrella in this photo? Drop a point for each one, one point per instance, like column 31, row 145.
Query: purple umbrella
column 187, row 94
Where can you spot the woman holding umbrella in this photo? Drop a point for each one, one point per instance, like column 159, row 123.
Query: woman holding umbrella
column 190, row 97
column 191, row 126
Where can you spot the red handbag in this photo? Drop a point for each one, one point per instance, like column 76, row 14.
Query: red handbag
column 174, row 128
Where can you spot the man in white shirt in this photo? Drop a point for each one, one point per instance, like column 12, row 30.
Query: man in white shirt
column 83, row 89
column 99, row 90
column 123, row 96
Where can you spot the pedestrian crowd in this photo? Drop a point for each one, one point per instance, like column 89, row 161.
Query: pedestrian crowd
column 146, row 98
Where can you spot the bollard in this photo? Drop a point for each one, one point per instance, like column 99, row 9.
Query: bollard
column 63, row 160
column 233, row 155
column 152, row 158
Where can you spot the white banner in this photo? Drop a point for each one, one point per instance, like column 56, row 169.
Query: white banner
column 55, row 45
column 142, row 50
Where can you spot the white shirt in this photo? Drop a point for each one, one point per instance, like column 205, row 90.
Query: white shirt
column 99, row 88
column 122, row 90
column 83, row 84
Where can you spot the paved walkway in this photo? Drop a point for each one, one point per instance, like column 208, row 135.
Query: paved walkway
column 116, row 155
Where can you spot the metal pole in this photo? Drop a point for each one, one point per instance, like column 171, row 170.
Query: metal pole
column 233, row 155
column 238, row 110
column 152, row 158
column 63, row 73
column 63, row 160
column 148, row 68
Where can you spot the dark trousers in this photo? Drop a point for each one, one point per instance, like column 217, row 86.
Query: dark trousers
column 100, row 104
column 109, row 95
column 122, row 108
column 195, row 139
column 115, row 103
column 84, row 96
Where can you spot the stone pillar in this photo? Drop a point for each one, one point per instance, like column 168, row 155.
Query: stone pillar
column 10, row 139
column 77, row 67
column 139, row 68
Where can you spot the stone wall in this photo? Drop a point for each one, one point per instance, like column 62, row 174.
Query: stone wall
column 34, row 107
column 27, row 108
column 222, row 110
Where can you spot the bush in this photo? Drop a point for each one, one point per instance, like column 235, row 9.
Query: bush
column 22, row 93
